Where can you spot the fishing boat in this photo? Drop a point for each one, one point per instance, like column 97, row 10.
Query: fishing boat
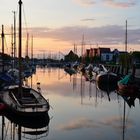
column 127, row 86
column 32, row 120
column 28, row 104
column 20, row 100
column 105, row 76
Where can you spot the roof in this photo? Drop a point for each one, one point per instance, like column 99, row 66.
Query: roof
column 104, row 50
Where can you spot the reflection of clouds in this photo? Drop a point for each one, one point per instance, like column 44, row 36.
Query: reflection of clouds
column 79, row 124
column 114, row 122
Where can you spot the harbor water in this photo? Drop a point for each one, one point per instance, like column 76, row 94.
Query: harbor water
column 78, row 110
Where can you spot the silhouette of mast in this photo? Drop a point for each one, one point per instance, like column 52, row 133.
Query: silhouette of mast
column 2, row 36
column 32, row 48
column 126, row 38
column 20, row 46
column 14, row 46
column 126, row 57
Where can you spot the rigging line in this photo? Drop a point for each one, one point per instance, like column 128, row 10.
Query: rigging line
column 15, row 13
column 129, row 109
column 26, row 27
column 6, row 45
column 119, row 108
column 0, row 42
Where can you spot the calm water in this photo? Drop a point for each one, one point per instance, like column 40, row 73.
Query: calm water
column 79, row 110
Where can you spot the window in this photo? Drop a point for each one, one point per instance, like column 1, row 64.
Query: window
column 107, row 57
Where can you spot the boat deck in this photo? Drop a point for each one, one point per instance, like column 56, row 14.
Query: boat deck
column 30, row 101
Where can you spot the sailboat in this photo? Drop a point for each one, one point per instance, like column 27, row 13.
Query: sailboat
column 5, row 78
column 104, row 76
column 127, row 85
column 23, row 101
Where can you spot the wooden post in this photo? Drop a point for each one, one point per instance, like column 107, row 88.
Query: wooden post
column 133, row 70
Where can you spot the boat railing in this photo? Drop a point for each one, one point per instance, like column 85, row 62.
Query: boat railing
column 39, row 104
column 33, row 105
column 26, row 107
column 39, row 97
column 18, row 105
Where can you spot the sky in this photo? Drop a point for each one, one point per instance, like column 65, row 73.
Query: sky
column 56, row 25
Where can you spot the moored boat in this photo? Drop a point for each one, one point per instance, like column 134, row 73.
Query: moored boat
column 28, row 104
column 128, row 86
column 2, row 107
column 106, row 77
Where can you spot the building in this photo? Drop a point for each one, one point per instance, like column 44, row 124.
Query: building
column 71, row 57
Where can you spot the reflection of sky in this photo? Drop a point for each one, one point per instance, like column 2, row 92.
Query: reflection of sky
column 89, row 117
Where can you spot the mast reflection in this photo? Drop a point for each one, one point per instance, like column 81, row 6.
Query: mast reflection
column 14, row 128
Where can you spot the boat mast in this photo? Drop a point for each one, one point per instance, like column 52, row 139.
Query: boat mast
column 14, row 49
column 82, row 49
column 2, row 36
column 32, row 51
column 20, row 47
column 126, row 57
column 12, row 43
column 26, row 49
column 126, row 38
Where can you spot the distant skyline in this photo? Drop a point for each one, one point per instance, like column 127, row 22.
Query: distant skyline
column 57, row 24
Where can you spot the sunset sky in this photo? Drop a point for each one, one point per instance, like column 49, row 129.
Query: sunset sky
column 57, row 24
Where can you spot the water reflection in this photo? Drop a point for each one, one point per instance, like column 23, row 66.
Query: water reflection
column 17, row 129
column 83, row 110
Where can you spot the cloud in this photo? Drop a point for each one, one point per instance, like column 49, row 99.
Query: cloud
column 88, row 19
column 105, row 35
column 86, row 2
column 111, row 3
column 120, row 4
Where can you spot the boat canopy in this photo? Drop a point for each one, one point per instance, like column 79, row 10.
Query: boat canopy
column 126, row 80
